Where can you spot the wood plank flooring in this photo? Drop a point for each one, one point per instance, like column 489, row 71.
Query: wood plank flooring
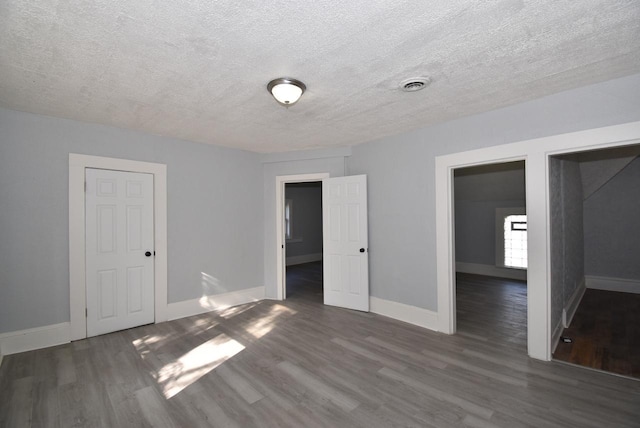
column 298, row 363
column 606, row 333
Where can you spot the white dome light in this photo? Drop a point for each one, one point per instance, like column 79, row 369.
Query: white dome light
column 286, row 91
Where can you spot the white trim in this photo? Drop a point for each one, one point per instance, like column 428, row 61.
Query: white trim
column 214, row 302
column 490, row 270
column 34, row 338
column 304, row 258
column 536, row 154
column 77, row 289
column 281, row 248
column 335, row 152
column 555, row 335
column 406, row 313
column 572, row 305
column 621, row 285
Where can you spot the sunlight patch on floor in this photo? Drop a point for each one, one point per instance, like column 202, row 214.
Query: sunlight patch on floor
column 150, row 342
column 266, row 323
column 176, row 376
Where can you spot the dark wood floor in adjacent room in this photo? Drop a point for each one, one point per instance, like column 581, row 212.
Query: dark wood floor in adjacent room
column 298, row 363
column 605, row 331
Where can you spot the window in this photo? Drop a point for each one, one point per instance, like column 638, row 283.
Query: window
column 511, row 238
column 515, row 241
column 288, row 217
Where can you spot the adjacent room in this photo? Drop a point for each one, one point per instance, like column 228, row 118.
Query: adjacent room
column 303, row 237
column 491, row 253
column 595, row 282
column 344, row 214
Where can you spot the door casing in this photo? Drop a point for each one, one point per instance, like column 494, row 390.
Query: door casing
column 281, row 248
column 77, row 269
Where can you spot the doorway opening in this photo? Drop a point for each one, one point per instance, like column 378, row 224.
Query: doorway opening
column 595, row 242
column 286, row 227
column 490, row 227
column 303, row 240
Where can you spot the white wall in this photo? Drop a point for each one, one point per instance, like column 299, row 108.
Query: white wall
column 400, row 169
column 214, row 213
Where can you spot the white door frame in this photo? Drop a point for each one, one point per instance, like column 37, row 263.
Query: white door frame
column 77, row 269
column 451, row 327
column 281, row 252
column 536, row 154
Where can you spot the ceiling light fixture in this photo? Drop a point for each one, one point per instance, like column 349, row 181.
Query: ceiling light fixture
column 286, row 91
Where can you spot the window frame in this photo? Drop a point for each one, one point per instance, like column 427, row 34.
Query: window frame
column 501, row 215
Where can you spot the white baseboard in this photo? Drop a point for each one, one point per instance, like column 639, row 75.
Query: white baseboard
column 407, row 313
column 34, row 338
column 204, row 304
column 305, row 258
column 572, row 305
column 489, row 270
column 555, row 335
column 613, row 284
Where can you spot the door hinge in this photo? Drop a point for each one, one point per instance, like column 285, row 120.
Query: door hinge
column 85, row 186
column 86, row 312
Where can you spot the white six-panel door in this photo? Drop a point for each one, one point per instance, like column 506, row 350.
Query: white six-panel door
column 119, row 231
column 345, row 242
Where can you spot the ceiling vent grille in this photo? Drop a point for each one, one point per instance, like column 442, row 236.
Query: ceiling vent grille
column 414, row 84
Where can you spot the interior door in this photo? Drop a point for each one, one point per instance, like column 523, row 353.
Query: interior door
column 345, row 242
column 119, row 250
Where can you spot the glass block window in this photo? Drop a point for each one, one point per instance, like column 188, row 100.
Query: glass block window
column 515, row 241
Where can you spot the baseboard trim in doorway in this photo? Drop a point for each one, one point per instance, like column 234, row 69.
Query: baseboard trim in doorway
column 489, row 270
column 572, row 306
column 214, row 302
column 407, row 313
column 30, row 339
column 305, row 258
column 621, row 285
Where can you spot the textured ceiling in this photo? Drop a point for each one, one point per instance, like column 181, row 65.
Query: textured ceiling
column 198, row 70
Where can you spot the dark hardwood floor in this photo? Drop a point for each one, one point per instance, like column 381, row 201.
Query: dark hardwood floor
column 606, row 333
column 298, row 363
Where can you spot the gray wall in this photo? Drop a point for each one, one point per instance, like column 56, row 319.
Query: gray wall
column 214, row 213
column 306, row 218
column 216, row 224
column 478, row 192
column 567, row 233
column 401, row 171
column 612, row 227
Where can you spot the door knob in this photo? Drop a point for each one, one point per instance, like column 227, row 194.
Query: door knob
column 362, row 250
column 148, row 254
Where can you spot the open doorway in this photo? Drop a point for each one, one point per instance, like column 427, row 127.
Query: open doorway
column 491, row 253
column 595, row 245
column 303, row 240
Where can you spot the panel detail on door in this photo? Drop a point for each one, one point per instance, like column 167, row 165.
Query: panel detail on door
column 107, row 293
column 135, row 276
column 134, row 228
column 346, row 263
column 118, row 230
column 106, row 228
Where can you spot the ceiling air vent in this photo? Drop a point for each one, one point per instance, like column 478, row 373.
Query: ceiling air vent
column 414, row 84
